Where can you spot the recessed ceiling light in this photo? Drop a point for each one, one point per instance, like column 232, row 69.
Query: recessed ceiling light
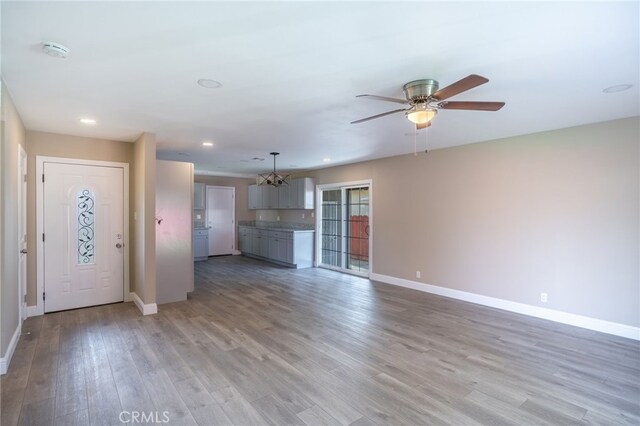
column 618, row 88
column 326, row 159
column 88, row 121
column 55, row 49
column 209, row 84
column 207, row 143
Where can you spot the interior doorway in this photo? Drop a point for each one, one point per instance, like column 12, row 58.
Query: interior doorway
column 221, row 211
column 344, row 227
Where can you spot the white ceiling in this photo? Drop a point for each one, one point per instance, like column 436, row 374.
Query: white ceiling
column 290, row 73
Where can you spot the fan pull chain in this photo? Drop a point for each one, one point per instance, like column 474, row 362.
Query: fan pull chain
column 415, row 142
column 426, row 140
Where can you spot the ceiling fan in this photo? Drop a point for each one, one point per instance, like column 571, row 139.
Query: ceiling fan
column 424, row 100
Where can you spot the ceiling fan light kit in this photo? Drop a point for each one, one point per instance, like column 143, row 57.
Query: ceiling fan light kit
column 424, row 99
column 421, row 114
column 273, row 178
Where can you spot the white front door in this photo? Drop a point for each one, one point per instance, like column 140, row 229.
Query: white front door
column 83, row 228
column 220, row 219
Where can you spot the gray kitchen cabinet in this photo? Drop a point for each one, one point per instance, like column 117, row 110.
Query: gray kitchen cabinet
column 298, row 194
column 245, row 236
column 260, row 242
column 293, row 248
column 269, row 197
column 288, row 194
column 199, row 196
column 305, row 191
column 255, row 197
column 281, row 246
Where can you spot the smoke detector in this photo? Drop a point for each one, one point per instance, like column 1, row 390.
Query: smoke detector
column 56, row 50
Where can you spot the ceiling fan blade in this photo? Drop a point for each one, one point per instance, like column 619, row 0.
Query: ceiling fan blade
column 383, row 98
column 423, row 125
column 476, row 106
column 378, row 115
column 459, row 86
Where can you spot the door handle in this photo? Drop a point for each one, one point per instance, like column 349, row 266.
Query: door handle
column 23, row 251
column 118, row 245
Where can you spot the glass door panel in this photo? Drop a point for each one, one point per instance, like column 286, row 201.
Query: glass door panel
column 345, row 229
column 332, row 227
column 357, row 219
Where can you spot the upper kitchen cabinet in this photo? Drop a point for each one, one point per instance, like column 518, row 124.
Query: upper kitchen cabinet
column 199, row 196
column 297, row 195
column 255, row 197
column 305, row 194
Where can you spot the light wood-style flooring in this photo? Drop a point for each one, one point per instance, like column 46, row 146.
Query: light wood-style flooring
column 259, row 344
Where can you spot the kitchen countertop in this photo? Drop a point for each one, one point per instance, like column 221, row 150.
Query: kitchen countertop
column 285, row 226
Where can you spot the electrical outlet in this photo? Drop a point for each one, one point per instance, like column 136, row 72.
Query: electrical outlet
column 544, row 297
column 259, row 217
column 418, row 274
column 303, row 215
column 198, row 216
column 312, row 214
column 278, row 218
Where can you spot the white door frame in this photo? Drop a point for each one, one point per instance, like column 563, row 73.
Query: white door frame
column 341, row 185
column 22, row 224
column 40, row 160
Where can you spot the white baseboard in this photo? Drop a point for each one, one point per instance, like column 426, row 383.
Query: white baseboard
column 148, row 309
column 595, row 324
column 6, row 360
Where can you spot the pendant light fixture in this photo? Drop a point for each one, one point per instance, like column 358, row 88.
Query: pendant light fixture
column 273, row 178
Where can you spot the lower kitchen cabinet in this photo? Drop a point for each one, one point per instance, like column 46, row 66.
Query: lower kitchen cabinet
column 245, row 236
column 260, row 242
column 292, row 248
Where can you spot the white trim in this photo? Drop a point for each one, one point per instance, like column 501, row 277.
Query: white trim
column 6, row 360
column 22, row 240
column 32, row 311
column 589, row 323
column 40, row 160
column 148, row 309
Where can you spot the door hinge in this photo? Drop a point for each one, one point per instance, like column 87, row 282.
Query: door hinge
column 43, row 177
column 43, row 237
column 24, row 178
column 43, row 296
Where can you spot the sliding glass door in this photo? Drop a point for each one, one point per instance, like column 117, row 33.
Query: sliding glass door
column 344, row 227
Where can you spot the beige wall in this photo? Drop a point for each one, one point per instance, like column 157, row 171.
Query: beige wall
column 555, row 212
column 143, row 266
column 64, row 146
column 13, row 135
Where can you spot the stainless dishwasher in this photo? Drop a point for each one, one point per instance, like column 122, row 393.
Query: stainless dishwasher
column 200, row 244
